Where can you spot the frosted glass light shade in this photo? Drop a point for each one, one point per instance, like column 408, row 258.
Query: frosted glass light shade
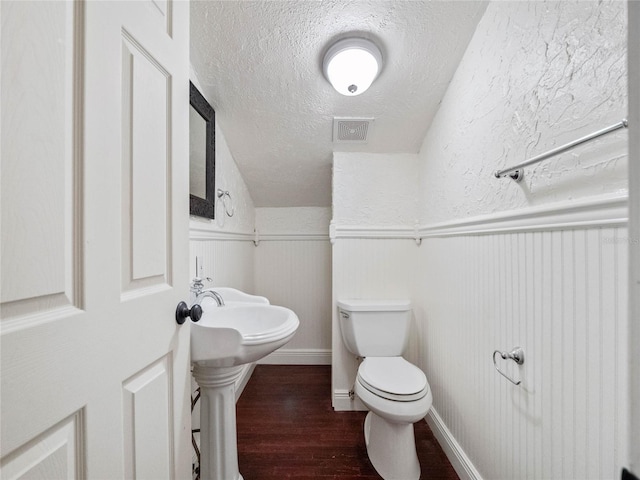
column 351, row 65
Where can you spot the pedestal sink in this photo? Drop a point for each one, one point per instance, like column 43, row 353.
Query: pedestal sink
column 225, row 338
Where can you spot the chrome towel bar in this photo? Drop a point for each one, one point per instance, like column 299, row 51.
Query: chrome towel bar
column 516, row 354
column 517, row 173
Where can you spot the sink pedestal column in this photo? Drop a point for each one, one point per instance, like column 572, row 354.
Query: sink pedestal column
column 218, row 438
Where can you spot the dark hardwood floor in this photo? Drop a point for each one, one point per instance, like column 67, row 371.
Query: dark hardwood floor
column 288, row 430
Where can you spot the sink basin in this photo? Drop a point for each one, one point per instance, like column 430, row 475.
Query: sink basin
column 232, row 296
column 240, row 332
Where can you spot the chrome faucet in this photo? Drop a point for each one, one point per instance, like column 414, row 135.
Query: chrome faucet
column 210, row 293
column 197, row 293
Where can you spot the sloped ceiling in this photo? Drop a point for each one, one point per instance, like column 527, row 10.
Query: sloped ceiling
column 260, row 66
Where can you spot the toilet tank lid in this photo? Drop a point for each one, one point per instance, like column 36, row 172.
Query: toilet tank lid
column 374, row 305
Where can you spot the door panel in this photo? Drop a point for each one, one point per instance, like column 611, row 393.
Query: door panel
column 94, row 369
column 147, row 398
column 146, row 136
column 40, row 120
column 162, row 12
column 56, row 453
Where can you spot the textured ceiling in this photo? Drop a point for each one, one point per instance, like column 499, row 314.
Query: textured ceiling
column 260, row 65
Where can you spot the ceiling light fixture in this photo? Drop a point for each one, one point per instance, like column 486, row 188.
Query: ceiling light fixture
column 351, row 65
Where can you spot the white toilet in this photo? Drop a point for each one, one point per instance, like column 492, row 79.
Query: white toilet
column 395, row 391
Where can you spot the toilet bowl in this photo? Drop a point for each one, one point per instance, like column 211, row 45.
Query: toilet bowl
column 395, row 391
column 397, row 395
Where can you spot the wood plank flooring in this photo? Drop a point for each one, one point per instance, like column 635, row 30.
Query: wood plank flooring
column 288, row 430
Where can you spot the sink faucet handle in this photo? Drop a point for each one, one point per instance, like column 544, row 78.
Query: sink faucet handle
column 199, row 268
column 197, row 285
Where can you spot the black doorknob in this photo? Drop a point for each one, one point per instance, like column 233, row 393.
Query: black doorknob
column 183, row 311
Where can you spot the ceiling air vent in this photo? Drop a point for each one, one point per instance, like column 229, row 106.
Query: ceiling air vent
column 351, row 130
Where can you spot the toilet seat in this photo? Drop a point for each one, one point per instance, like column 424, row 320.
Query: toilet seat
column 393, row 378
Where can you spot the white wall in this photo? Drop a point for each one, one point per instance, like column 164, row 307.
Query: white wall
column 541, row 264
column 293, row 269
column 383, row 186
column 535, row 76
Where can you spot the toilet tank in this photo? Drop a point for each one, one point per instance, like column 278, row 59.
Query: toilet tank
column 373, row 328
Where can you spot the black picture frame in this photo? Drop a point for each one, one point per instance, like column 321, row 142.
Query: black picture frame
column 205, row 207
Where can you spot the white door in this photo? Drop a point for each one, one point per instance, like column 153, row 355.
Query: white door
column 94, row 372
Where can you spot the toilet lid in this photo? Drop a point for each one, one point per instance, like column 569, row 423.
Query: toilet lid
column 393, row 378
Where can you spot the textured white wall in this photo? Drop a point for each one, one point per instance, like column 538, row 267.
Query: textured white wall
column 228, row 178
column 375, row 189
column 536, row 75
column 295, row 220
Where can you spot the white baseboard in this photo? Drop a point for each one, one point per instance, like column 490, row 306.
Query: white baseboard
column 298, row 356
column 343, row 402
column 452, row 449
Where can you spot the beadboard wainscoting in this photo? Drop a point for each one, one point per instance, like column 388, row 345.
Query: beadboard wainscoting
column 558, row 290
column 295, row 271
column 226, row 257
column 562, row 297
